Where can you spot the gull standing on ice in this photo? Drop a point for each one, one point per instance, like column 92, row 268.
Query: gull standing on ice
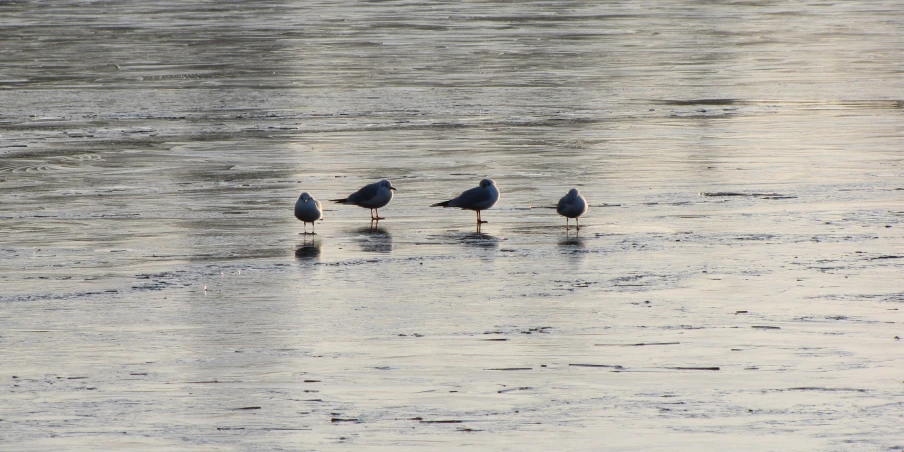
column 572, row 205
column 476, row 199
column 371, row 196
column 308, row 210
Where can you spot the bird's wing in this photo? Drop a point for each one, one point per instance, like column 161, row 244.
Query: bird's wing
column 365, row 194
column 471, row 198
column 562, row 203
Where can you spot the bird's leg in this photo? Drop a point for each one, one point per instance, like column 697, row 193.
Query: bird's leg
column 479, row 221
column 577, row 225
column 566, row 223
column 305, row 223
column 378, row 217
column 312, row 228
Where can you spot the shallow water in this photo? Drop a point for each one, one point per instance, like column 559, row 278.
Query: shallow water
column 735, row 285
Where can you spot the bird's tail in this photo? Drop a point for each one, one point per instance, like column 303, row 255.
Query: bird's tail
column 340, row 201
column 441, row 204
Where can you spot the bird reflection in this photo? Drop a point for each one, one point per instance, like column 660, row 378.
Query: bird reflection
column 308, row 250
column 573, row 248
column 572, row 241
column 478, row 239
column 375, row 239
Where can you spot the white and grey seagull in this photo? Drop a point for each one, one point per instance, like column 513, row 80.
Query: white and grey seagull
column 371, row 196
column 572, row 205
column 308, row 210
column 476, row 199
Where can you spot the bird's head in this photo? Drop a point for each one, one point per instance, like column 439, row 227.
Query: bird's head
column 486, row 183
column 385, row 183
column 305, row 197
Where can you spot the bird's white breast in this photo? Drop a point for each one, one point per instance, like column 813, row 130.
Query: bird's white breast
column 307, row 211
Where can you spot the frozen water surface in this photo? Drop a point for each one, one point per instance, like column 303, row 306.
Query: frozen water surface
column 736, row 285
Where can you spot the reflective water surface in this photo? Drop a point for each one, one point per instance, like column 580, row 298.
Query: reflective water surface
column 735, row 285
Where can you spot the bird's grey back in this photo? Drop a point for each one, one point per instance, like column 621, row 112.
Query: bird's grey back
column 365, row 194
column 372, row 196
column 470, row 198
column 562, row 203
column 571, row 205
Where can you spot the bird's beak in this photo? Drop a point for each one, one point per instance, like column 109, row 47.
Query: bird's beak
column 392, row 188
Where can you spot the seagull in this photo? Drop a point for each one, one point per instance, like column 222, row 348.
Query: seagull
column 476, row 199
column 371, row 196
column 572, row 205
column 308, row 210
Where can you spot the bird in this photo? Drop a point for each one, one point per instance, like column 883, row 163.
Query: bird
column 572, row 205
column 476, row 199
column 308, row 210
column 371, row 196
